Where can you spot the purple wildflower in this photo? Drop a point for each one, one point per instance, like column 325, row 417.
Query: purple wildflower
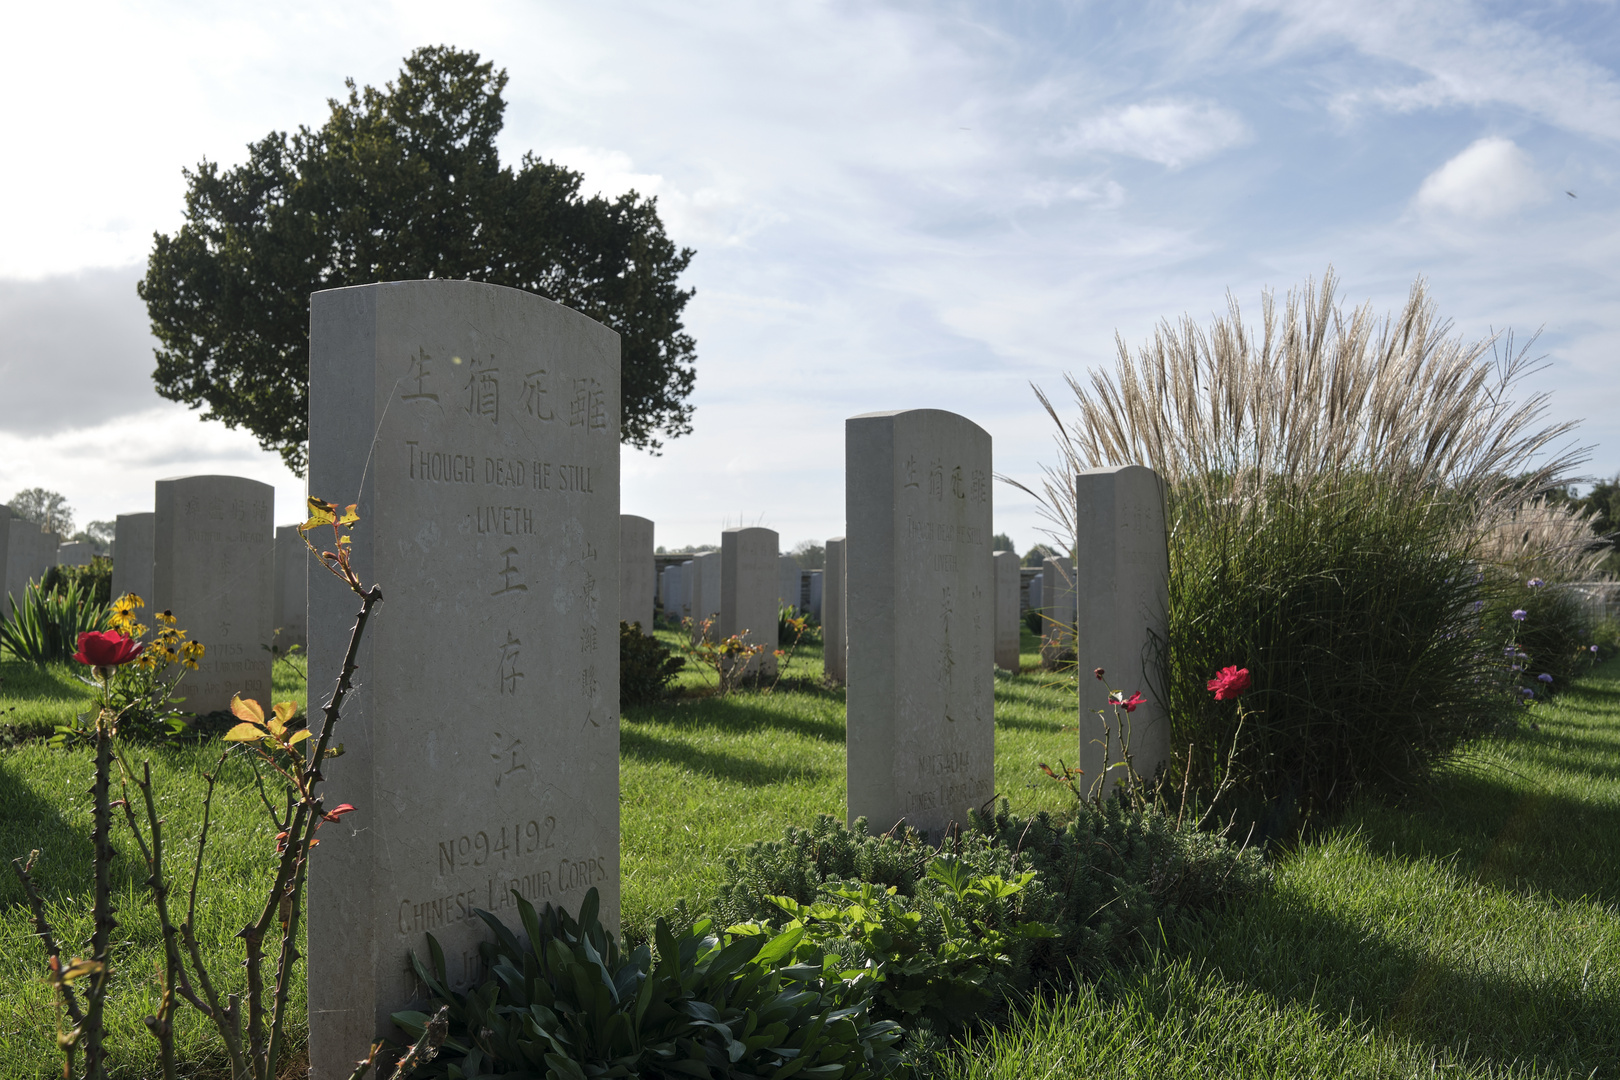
column 1519, row 614
column 1535, row 583
column 1544, row 677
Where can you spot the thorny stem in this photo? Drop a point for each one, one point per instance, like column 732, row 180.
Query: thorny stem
column 174, row 980
column 95, row 1067
column 42, row 929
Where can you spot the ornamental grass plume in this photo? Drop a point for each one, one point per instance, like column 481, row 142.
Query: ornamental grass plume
column 1340, row 489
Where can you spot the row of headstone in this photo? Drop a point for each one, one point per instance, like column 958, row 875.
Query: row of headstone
column 482, row 743
column 27, row 551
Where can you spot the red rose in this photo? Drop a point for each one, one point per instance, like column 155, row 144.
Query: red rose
column 1135, row 700
column 1229, row 682
column 106, row 648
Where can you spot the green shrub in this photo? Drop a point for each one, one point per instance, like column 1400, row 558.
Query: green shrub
column 93, row 580
column 1102, row 882
column 646, row 667
column 567, row 1005
column 1033, row 620
column 1554, row 638
column 45, row 627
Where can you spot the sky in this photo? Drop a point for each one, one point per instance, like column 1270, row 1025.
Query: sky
column 892, row 205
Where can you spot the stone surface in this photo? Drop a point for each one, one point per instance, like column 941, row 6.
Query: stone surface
column 812, row 590
column 833, row 628
column 1057, row 604
column 669, row 591
column 748, row 586
column 1123, row 582
column 30, row 552
column 790, row 587
column 920, row 617
column 636, row 571
column 75, row 553
column 132, row 558
column 1035, row 584
column 705, row 592
column 293, row 564
column 213, row 566
column 1008, row 588
column 482, row 736
column 688, row 584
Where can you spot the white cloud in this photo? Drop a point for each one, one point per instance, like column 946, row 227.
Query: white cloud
column 1172, row 133
column 1492, row 177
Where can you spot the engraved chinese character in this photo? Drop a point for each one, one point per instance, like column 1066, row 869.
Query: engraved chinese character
column 587, row 638
column 591, row 597
column 419, row 373
column 980, row 489
column 588, row 409
column 936, row 479
column 911, row 471
column 508, row 573
column 535, row 401
column 508, row 755
column 588, row 686
column 956, row 483
column 192, row 506
column 509, row 669
column 484, row 392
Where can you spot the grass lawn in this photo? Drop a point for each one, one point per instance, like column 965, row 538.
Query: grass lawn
column 1473, row 932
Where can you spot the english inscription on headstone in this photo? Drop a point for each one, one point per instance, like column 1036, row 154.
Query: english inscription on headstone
column 483, row 733
column 921, row 618
column 213, row 566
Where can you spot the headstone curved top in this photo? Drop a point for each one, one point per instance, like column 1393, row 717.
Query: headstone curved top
column 477, row 428
column 920, row 620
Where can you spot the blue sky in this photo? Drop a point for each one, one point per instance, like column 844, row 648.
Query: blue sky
column 892, row 205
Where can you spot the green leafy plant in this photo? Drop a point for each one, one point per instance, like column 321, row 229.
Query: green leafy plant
column 646, row 667
column 140, row 694
column 1545, row 632
column 730, row 661
column 93, row 579
column 45, row 627
column 567, row 1005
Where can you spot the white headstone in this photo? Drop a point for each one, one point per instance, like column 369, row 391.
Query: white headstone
column 29, row 553
column 636, row 571
column 75, row 553
column 213, row 566
column 293, row 564
column 132, row 561
column 688, row 586
column 483, row 733
column 1058, row 604
column 921, row 618
column 833, row 631
column 1123, row 582
column 1008, row 587
column 1035, row 595
column 668, row 591
column 748, row 587
column 705, row 591
column 791, row 583
column 813, row 592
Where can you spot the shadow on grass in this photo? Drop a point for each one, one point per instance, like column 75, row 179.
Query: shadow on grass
column 28, row 821
column 643, row 745
column 745, row 713
column 1306, row 957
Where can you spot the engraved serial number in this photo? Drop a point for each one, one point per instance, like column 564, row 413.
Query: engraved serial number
column 509, row 842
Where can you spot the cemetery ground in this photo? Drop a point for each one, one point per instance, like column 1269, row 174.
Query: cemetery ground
column 1473, row 931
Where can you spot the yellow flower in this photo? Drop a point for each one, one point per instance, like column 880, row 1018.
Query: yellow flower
column 165, row 617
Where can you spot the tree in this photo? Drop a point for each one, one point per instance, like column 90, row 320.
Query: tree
column 402, row 183
column 1002, row 542
column 47, row 509
column 810, row 555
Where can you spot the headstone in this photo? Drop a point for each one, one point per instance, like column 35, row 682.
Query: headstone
column 1035, row 594
column 75, row 553
column 5, row 558
column 132, row 565
column 669, row 591
column 1008, row 587
column 1058, row 606
column 921, row 619
column 705, row 591
column 833, row 629
column 212, row 565
column 482, row 734
column 791, row 582
column 1123, row 583
column 636, row 571
column 812, row 593
column 293, row 564
column 31, row 552
column 748, row 587
column 688, row 584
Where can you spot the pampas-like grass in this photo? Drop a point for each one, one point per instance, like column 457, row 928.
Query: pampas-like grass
column 1339, row 487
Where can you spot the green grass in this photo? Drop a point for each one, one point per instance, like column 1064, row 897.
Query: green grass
column 1474, row 932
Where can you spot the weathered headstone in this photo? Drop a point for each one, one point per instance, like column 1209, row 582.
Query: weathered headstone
column 5, row 559
column 1036, row 590
column 483, row 733
column 812, row 590
column 1008, row 587
column 748, row 587
column 668, row 591
column 75, row 553
column 790, row 577
column 688, row 586
column 636, row 571
column 1123, row 585
column 1058, row 605
column 293, row 563
column 706, row 589
column 132, row 559
column 921, row 618
column 833, row 632
column 213, row 566
column 30, row 552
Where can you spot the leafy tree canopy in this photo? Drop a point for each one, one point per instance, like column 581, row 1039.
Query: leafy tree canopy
column 402, row 183
column 45, row 508
column 1002, row 542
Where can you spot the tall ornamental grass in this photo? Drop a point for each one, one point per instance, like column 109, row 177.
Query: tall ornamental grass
column 1331, row 478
